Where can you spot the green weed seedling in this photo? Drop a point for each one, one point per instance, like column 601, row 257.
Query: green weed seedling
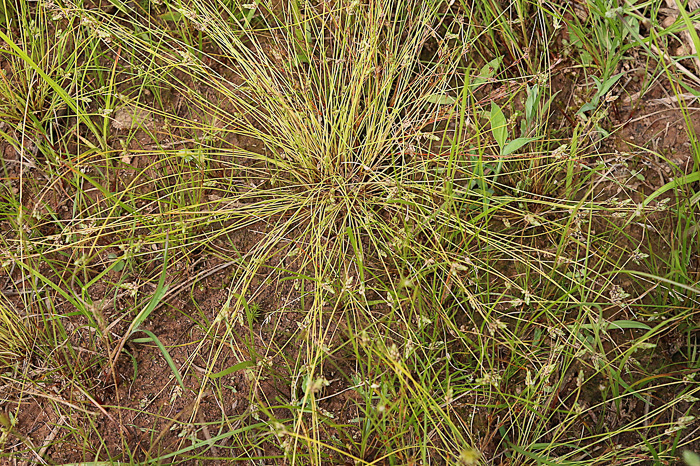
column 135, row 326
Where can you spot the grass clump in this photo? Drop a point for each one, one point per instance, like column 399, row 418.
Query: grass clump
column 15, row 338
column 314, row 232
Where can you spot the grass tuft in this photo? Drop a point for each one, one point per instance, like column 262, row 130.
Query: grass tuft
column 386, row 231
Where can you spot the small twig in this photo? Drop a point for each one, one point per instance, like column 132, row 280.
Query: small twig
column 28, row 164
column 52, row 435
column 170, row 145
column 24, row 439
column 207, row 435
column 23, row 292
column 647, row 405
column 674, row 99
column 680, row 67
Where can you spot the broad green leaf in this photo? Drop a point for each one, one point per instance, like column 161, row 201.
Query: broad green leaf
column 625, row 324
column 498, row 125
column 488, row 71
column 588, row 106
column 690, row 458
column 516, row 144
column 441, row 99
column 300, row 58
column 249, row 13
column 171, row 16
column 533, row 97
column 607, row 84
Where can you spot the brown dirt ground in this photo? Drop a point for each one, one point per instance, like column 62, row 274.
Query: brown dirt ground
column 143, row 404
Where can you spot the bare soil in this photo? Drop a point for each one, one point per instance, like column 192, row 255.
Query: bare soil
column 140, row 407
